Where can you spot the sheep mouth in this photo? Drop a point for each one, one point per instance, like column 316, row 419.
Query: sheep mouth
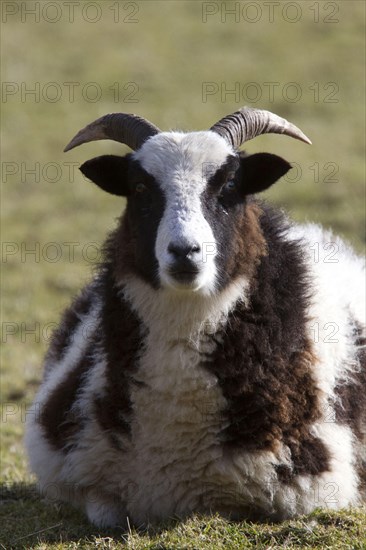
column 184, row 271
column 186, row 276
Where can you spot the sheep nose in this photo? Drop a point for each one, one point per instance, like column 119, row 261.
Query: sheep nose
column 182, row 251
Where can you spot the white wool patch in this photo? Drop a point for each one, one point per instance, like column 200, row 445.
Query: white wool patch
column 339, row 300
column 180, row 164
column 339, row 294
column 79, row 341
column 44, row 461
column 174, row 315
column 333, row 489
column 180, row 402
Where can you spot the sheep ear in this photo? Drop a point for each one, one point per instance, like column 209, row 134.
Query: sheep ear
column 261, row 170
column 109, row 172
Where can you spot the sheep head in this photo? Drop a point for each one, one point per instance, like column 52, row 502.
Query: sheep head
column 187, row 211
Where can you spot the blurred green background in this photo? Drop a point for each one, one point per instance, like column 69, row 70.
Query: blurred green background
column 181, row 64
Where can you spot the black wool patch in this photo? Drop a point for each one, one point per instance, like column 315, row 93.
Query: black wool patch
column 145, row 209
column 122, row 339
column 263, row 358
column 63, row 336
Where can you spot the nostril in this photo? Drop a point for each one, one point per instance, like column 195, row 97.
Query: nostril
column 178, row 251
column 183, row 251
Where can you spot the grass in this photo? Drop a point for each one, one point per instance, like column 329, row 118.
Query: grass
column 163, row 63
column 58, row 527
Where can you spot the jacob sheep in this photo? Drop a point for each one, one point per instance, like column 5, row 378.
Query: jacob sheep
column 213, row 363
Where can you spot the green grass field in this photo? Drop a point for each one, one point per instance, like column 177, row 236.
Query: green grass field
column 182, row 64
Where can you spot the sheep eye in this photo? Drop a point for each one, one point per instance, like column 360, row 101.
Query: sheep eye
column 229, row 186
column 140, row 188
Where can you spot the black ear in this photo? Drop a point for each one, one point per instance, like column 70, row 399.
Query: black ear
column 260, row 171
column 109, row 173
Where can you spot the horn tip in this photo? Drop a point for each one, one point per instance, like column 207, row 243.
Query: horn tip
column 76, row 140
column 295, row 132
column 305, row 139
column 68, row 147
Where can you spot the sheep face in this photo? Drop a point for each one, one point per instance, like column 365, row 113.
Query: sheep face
column 187, row 207
column 186, row 246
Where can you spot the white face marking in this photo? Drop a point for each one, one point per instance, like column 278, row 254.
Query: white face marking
column 179, row 163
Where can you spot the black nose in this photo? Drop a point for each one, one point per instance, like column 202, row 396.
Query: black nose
column 185, row 258
column 184, row 251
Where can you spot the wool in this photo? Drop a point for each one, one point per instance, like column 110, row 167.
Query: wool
column 214, row 363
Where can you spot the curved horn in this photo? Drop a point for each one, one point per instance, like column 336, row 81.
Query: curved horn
column 247, row 123
column 124, row 128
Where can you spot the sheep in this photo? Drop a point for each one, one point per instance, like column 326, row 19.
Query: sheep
column 213, row 364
